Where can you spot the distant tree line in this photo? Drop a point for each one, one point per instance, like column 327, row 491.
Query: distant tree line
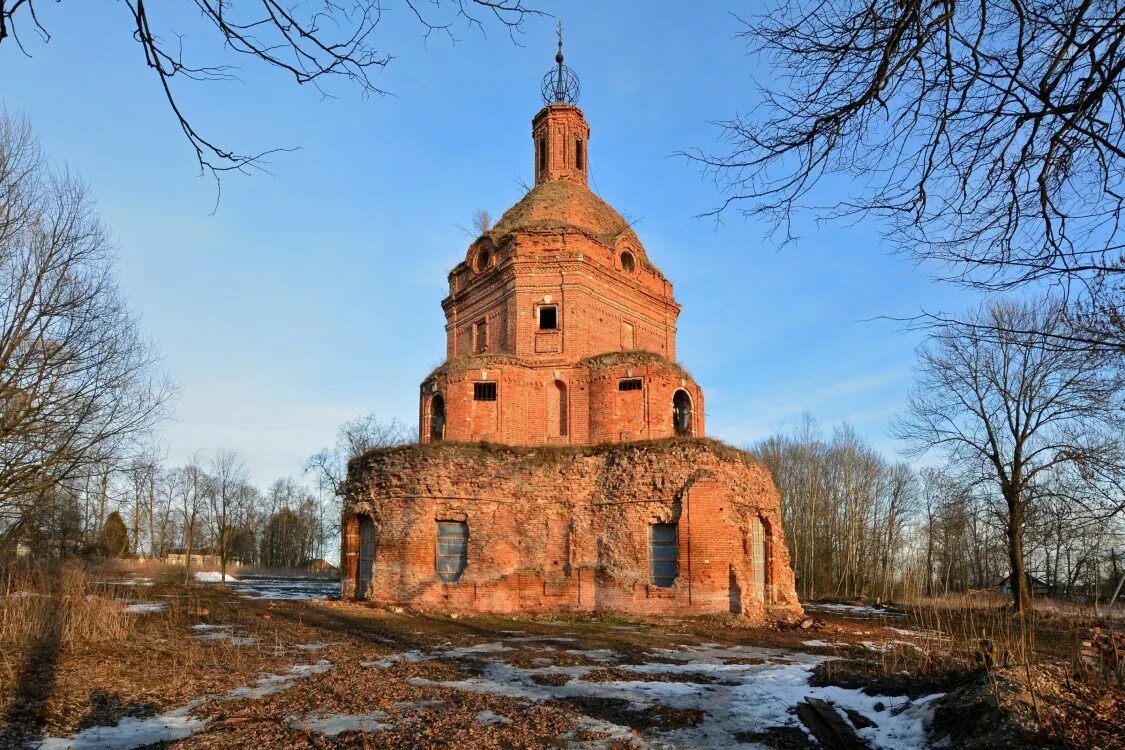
column 858, row 524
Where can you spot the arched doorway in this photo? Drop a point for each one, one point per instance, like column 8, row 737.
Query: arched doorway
column 681, row 413
column 437, row 418
column 759, row 558
column 366, row 557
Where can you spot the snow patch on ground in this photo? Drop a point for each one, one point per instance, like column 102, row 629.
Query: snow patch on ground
column 145, row 608
column 854, row 610
column 175, row 724
column 226, row 633
column 272, row 683
column 213, row 576
column 129, row 733
column 480, row 648
column 596, row 654
column 816, row 644
column 489, row 718
column 390, row 660
column 331, row 725
column 758, row 689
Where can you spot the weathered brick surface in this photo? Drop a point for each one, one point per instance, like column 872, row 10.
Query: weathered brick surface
column 568, row 528
column 577, row 465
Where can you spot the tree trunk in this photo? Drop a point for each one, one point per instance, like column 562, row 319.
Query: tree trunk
column 1021, row 597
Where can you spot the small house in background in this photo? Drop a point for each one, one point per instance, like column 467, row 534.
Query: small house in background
column 199, row 559
column 319, row 565
column 1035, row 585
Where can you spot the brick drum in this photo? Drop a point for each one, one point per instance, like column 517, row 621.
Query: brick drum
column 562, row 463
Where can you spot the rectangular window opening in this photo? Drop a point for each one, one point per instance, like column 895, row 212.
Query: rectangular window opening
column 484, row 391
column 542, row 154
column 663, row 554
column 631, row 384
column 548, row 318
column 452, row 549
column 578, row 154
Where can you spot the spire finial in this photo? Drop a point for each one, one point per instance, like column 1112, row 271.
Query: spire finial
column 560, row 86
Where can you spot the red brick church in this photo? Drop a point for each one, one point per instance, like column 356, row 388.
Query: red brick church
column 563, row 463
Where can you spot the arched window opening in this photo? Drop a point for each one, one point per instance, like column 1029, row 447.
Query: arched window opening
column 628, row 262
column 578, row 155
column 557, row 411
column 758, row 557
column 366, row 557
column 437, row 418
column 681, row 413
column 452, row 549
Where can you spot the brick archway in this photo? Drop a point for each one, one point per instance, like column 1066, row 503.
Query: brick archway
column 357, row 559
column 683, row 413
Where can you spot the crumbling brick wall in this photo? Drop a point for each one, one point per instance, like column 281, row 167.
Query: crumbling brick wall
column 552, row 528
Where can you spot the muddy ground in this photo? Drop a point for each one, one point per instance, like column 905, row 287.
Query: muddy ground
column 217, row 668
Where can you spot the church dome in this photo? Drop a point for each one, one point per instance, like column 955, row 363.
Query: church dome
column 564, row 204
column 569, row 205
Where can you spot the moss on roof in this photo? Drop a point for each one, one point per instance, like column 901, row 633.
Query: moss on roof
column 632, row 357
column 550, row 454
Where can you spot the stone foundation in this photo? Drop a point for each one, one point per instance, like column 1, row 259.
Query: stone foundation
column 568, row 529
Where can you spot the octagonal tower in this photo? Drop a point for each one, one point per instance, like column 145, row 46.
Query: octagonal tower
column 559, row 328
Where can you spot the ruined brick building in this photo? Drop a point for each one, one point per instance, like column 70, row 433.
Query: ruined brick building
column 562, row 463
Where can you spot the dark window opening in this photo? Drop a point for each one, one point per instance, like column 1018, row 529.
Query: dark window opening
column 663, row 554
column 681, row 413
column 578, row 154
column 627, row 261
column 366, row 557
column 548, row 317
column 437, row 418
column 631, row 384
column 542, row 154
column 480, row 336
column 452, row 549
column 484, row 391
column 484, row 257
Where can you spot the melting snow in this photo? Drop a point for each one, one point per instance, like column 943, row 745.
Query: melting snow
column 749, row 696
column 129, row 733
column 144, row 608
column 816, row 644
column 213, row 576
column 391, row 659
column 272, row 683
column 331, row 725
column 226, row 633
column 488, row 718
column 854, row 610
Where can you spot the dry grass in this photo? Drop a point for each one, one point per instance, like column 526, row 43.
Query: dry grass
column 59, row 603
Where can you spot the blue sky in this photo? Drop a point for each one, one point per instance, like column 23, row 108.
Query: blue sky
column 312, row 294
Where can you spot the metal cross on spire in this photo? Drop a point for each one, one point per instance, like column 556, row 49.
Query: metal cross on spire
column 561, row 84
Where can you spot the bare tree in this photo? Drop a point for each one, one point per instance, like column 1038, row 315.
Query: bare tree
column 78, row 385
column 191, row 486
column 987, row 136
column 230, row 491
column 353, row 439
column 313, row 42
column 1010, row 414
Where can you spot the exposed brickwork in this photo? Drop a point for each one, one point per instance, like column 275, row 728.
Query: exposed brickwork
column 567, row 528
column 559, row 429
